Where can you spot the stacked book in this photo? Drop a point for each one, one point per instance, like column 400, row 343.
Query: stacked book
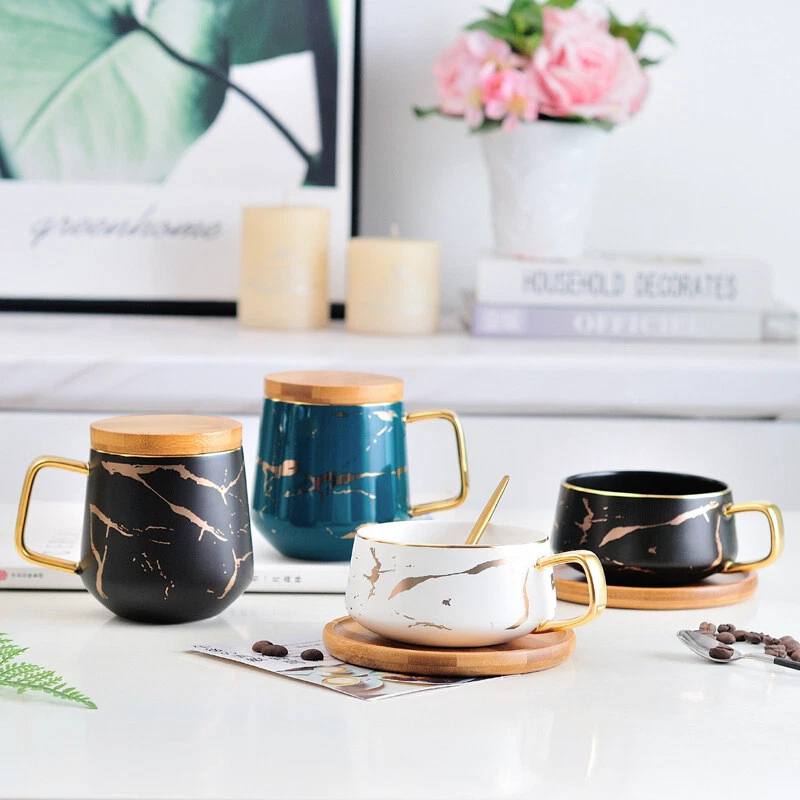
column 627, row 297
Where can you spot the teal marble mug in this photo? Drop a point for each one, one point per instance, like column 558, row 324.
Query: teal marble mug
column 332, row 456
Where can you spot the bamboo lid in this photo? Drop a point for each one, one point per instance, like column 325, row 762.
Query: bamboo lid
column 333, row 388
column 165, row 435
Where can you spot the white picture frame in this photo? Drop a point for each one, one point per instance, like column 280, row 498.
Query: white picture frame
column 93, row 211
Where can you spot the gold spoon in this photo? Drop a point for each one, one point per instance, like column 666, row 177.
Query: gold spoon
column 483, row 520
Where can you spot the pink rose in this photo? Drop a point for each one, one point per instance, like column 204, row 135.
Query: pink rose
column 571, row 17
column 510, row 95
column 582, row 70
column 461, row 69
column 457, row 75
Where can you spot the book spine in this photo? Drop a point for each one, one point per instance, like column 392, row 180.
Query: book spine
column 272, row 579
column 33, row 577
column 721, row 284
column 286, row 579
column 632, row 324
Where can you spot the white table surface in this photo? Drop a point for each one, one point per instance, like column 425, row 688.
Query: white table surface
column 632, row 714
column 81, row 362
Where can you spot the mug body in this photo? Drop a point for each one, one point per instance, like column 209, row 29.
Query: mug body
column 166, row 539
column 647, row 528
column 417, row 582
column 323, row 470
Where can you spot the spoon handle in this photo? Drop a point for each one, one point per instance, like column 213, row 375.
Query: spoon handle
column 786, row 662
column 486, row 514
column 781, row 662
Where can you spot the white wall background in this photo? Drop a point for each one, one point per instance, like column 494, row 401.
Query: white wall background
column 711, row 165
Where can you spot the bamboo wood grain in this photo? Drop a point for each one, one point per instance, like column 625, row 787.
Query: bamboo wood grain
column 348, row 641
column 165, row 435
column 718, row 590
column 333, row 388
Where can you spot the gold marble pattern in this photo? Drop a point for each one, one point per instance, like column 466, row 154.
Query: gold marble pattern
column 316, row 483
column 94, row 511
column 588, row 521
column 135, row 472
column 237, row 561
column 623, row 530
column 376, row 573
column 526, row 604
column 409, row 583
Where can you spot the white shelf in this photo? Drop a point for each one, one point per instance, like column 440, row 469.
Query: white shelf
column 124, row 363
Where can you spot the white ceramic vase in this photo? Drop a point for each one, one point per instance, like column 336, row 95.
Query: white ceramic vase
column 542, row 180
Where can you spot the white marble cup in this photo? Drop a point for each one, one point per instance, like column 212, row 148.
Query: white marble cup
column 417, row 582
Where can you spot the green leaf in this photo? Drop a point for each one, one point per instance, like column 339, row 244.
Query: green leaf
column 603, row 124
column 518, row 6
column 561, row 3
column 487, row 126
column 525, row 45
column 421, row 113
column 663, row 34
column 263, row 29
column 24, row 677
column 528, row 20
column 500, row 28
column 86, row 95
column 649, row 62
column 632, row 34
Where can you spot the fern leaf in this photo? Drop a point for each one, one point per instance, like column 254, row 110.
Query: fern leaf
column 22, row 676
column 9, row 652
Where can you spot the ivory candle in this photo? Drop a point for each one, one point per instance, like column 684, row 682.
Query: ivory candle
column 284, row 275
column 392, row 286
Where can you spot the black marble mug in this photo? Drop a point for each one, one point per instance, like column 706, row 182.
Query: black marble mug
column 166, row 531
column 656, row 528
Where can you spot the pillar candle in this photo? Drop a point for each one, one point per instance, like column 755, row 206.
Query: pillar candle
column 392, row 286
column 284, row 275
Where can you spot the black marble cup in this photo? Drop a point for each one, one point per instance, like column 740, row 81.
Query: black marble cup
column 656, row 528
column 166, row 538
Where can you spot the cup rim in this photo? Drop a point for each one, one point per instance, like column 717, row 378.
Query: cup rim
column 435, row 546
column 569, row 483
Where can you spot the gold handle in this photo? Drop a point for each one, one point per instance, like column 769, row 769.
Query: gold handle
column 595, row 580
column 773, row 515
column 441, row 505
column 22, row 515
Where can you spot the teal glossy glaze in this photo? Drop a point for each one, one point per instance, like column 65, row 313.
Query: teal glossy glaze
column 324, row 470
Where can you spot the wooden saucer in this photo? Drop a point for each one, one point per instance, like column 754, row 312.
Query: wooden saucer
column 348, row 641
column 722, row 589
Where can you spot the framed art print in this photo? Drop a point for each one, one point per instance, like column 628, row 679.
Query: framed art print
column 132, row 133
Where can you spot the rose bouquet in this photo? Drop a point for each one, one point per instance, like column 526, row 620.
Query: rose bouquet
column 544, row 60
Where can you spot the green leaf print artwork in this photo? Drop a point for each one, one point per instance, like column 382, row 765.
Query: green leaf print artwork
column 91, row 92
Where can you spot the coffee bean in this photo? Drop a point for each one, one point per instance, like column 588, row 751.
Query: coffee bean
column 721, row 652
column 258, row 646
column 312, row 655
column 709, row 628
column 767, row 639
column 275, row 650
column 795, row 656
column 725, row 628
column 740, row 635
column 784, row 639
column 753, row 638
column 777, row 652
column 726, row 638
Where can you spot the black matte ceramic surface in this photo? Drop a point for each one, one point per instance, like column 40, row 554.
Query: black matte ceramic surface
column 166, row 539
column 647, row 528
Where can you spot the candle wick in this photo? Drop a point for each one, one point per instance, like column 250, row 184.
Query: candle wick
column 394, row 230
